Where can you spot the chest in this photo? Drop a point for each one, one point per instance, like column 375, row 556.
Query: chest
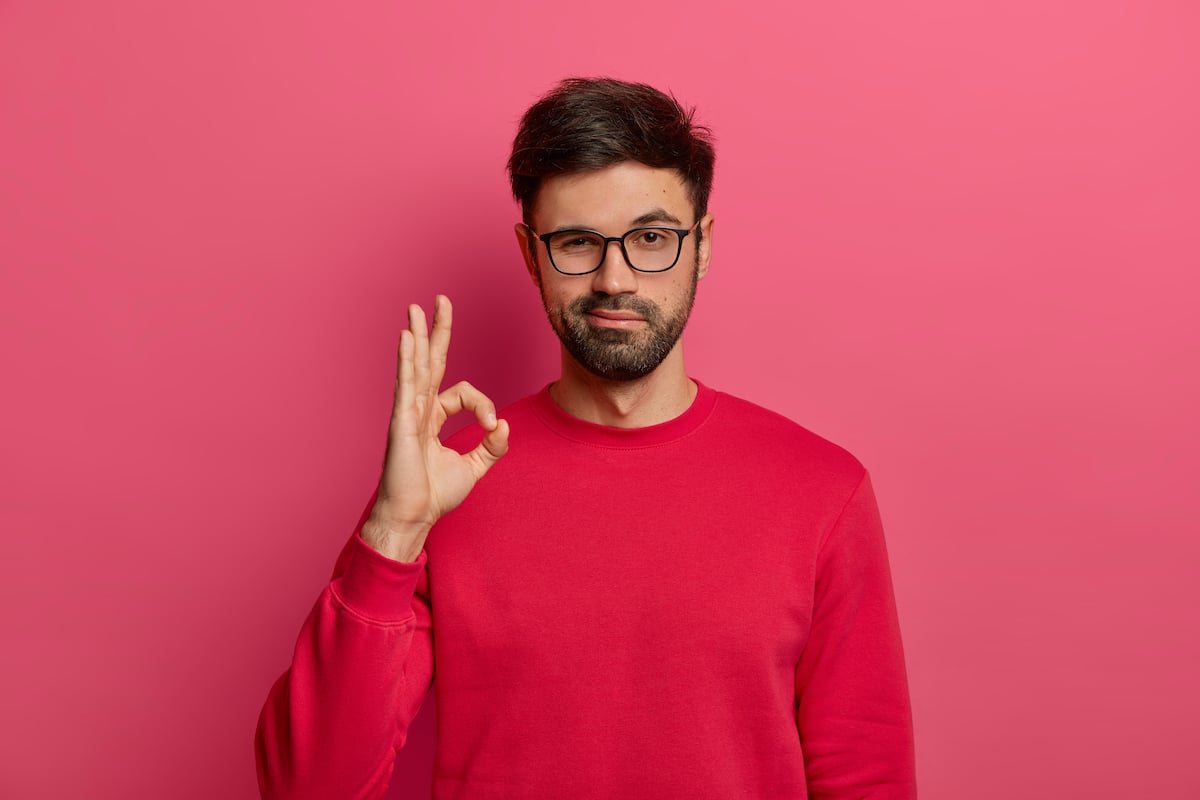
column 640, row 573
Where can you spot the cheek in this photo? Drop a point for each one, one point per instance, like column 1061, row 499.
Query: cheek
column 674, row 292
column 554, row 297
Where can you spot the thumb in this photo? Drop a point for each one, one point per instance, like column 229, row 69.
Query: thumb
column 489, row 451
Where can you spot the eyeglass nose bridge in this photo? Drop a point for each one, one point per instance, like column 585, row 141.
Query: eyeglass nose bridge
column 620, row 240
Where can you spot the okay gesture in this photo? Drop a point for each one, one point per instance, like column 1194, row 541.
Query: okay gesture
column 423, row 479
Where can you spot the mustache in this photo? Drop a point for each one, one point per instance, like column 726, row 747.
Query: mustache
column 616, row 302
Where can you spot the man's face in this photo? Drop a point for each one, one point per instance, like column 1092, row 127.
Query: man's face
column 617, row 323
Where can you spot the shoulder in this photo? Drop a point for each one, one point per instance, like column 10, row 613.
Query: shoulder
column 747, row 427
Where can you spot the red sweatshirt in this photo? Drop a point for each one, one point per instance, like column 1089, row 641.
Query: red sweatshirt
column 698, row 609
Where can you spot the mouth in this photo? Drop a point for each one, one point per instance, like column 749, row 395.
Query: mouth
column 613, row 318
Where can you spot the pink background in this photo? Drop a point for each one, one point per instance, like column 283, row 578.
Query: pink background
column 959, row 238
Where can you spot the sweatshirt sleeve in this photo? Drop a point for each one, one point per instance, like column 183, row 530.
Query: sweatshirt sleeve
column 853, row 710
column 362, row 666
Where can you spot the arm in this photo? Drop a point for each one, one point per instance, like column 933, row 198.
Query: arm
column 852, row 693
column 364, row 660
column 362, row 666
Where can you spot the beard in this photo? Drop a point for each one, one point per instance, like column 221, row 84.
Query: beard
column 618, row 354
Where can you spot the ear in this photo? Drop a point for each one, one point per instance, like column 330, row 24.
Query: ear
column 527, row 244
column 702, row 258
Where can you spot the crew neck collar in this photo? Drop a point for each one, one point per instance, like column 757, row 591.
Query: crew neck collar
column 591, row 433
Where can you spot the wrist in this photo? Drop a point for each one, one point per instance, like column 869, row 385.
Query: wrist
column 399, row 542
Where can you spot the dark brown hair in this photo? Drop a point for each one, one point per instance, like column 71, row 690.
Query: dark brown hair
column 586, row 124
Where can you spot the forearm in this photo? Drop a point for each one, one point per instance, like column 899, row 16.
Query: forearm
column 361, row 668
column 853, row 708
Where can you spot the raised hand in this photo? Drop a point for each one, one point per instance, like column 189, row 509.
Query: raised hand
column 422, row 479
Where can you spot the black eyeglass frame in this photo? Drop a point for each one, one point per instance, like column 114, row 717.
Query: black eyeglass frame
column 680, row 232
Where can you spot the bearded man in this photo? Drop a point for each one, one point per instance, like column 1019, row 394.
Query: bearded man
column 658, row 591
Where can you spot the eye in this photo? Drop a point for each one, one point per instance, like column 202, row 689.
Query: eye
column 573, row 242
column 653, row 238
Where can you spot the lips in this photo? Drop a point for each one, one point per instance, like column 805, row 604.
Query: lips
column 616, row 315
column 615, row 320
column 616, row 307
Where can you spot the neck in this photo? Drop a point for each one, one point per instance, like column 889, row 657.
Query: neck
column 662, row 395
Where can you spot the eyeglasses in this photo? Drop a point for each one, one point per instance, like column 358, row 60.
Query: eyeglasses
column 578, row 252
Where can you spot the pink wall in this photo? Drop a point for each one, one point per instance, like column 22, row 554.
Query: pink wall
column 959, row 238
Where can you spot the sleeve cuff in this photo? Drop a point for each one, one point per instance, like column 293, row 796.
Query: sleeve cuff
column 378, row 587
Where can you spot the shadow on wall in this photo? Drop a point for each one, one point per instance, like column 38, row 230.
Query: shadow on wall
column 502, row 342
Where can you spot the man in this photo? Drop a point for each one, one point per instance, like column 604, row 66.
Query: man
column 657, row 591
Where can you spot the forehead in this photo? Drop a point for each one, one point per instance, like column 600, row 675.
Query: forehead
column 613, row 197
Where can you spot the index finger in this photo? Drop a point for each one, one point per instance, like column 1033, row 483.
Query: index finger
column 439, row 340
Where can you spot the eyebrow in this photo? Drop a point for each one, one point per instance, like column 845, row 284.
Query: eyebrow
column 654, row 215
column 657, row 215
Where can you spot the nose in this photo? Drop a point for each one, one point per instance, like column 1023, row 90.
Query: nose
column 615, row 276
